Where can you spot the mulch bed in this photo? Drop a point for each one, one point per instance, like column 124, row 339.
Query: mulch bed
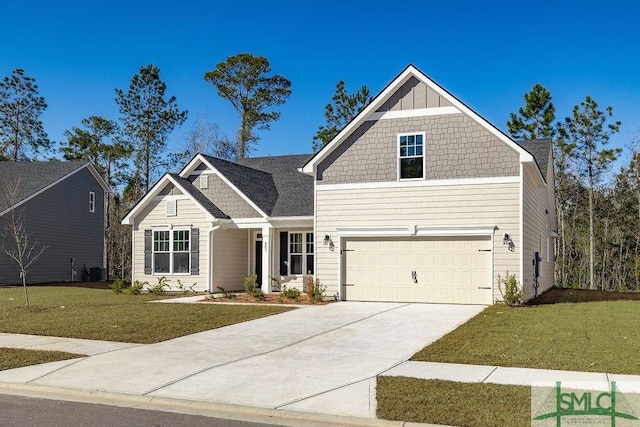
column 269, row 299
column 563, row 295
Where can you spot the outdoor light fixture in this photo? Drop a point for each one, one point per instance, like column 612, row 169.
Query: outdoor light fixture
column 327, row 239
column 506, row 238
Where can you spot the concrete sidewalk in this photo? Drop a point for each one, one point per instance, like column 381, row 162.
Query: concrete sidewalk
column 512, row 376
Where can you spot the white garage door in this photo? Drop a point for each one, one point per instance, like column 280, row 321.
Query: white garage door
column 419, row 269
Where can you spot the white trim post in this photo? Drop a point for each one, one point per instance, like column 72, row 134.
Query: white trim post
column 267, row 240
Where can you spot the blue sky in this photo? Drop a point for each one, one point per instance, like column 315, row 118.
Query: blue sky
column 488, row 54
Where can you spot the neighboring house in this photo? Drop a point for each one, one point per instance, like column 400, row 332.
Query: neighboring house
column 418, row 199
column 62, row 207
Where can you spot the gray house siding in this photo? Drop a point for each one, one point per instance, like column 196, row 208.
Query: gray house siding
column 456, row 146
column 227, row 199
column 413, row 94
column 59, row 218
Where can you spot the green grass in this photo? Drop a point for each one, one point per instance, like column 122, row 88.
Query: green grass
column 101, row 314
column 11, row 358
column 594, row 336
column 453, row 403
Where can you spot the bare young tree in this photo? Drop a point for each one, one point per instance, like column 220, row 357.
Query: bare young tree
column 16, row 241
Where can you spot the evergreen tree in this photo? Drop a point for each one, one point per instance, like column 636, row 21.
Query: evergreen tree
column 22, row 135
column 344, row 108
column 147, row 121
column 535, row 119
column 244, row 81
column 583, row 137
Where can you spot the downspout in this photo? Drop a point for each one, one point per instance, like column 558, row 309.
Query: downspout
column 210, row 257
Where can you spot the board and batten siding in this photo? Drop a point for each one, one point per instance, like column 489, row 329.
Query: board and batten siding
column 229, row 259
column 536, row 214
column 438, row 206
column 187, row 214
column 59, row 218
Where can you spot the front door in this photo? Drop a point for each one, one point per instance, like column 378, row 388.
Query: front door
column 258, row 259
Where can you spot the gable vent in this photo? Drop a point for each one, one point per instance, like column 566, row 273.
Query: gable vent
column 204, row 181
column 171, row 207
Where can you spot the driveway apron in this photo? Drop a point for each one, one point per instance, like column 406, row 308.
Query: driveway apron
column 317, row 359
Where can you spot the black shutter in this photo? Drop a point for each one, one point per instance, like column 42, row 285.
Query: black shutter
column 148, row 241
column 195, row 251
column 284, row 253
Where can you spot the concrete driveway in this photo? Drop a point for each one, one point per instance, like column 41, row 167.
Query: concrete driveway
column 317, row 359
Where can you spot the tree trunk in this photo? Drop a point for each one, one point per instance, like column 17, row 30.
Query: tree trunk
column 24, row 285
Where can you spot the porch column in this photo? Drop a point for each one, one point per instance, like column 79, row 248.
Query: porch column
column 267, row 240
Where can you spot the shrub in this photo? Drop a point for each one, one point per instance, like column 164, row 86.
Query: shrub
column 136, row 287
column 315, row 290
column 275, row 284
column 226, row 294
column 513, row 294
column 252, row 288
column 159, row 288
column 118, row 286
column 185, row 289
column 291, row 293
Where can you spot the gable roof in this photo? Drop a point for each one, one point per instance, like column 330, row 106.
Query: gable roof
column 540, row 149
column 294, row 190
column 36, row 177
column 207, row 206
column 257, row 185
column 197, row 195
column 388, row 91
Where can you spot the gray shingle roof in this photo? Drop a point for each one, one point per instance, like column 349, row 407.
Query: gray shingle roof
column 294, row 189
column 540, row 150
column 33, row 176
column 200, row 198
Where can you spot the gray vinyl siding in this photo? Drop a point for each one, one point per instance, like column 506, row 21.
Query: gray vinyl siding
column 227, row 199
column 59, row 218
column 456, row 146
column 412, row 95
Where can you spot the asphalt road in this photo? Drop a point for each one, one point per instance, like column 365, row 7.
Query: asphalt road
column 31, row 412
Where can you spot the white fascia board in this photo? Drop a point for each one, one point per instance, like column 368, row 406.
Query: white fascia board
column 233, row 187
column 415, row 230
column 291, row 221
column 43, row 189
column 151, row 195
column 417, row 112
column 189, row 167
column 421, row 183
column 411, row 71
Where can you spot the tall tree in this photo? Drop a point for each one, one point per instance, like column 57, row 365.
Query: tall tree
column 535, row 119
column 96, row 142
column 344, row 108
column 244, row 81
column 16, row 241
column 147, row 121
column 22, row 135
column 205, row 137
column 583, row 137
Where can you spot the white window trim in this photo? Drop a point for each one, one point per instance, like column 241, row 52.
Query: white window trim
column 171, row 251
column 172, row 207
column 424, row 156
column 304, row 252
column 204, row 181
column 92, row 201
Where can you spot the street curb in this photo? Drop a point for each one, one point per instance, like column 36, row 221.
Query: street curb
column 190, row 407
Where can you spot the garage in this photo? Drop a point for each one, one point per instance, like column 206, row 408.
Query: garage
column 453, row 269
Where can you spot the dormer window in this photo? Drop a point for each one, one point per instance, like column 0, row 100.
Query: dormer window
column 411, row 156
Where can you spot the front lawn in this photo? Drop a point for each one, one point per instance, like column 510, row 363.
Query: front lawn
column 453, row 403
column 11, row 358
column 100, row 314
column 597, row 336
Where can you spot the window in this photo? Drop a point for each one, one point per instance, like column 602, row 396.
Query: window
column 411, row 156
column 92, row 201
column 171, row 253
column 300, row 253
column 295, row 253
column 309, row 251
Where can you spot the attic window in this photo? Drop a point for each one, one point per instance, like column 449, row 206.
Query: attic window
column 171, row 207
column 411, row 156
column 204, row 181
column 92, row 201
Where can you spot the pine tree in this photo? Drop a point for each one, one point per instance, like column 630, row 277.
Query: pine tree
column 535, row 119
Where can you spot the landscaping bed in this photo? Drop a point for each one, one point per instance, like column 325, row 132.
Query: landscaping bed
column 303, row 299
